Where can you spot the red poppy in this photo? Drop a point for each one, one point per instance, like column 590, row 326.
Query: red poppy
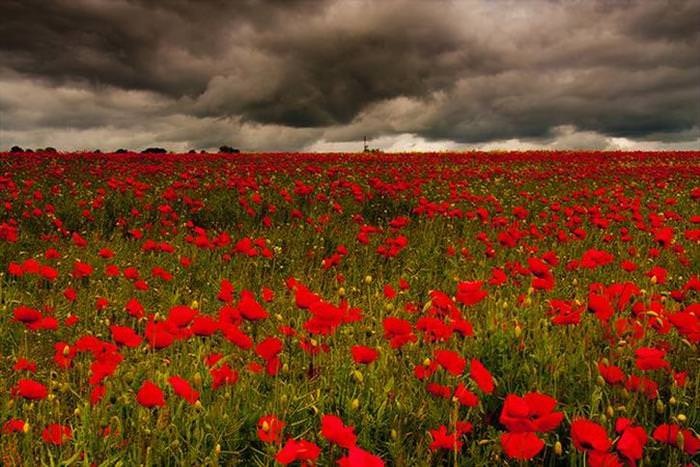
column 531, row 413
column 30, row 389
column 363, row 355
column 13, row 425
column 481, row 376
column 589, row 436
column 57, row 434
column 298, row 450
column 223, row 375
column 521, row 445
column 470, row 293
column 150, row 395
column 443, row 440
column 268, row 348
column 124, row 335
column 270, row 429
column 335, row 431
column 451, row 361
column 183, row 389
column 358, row 457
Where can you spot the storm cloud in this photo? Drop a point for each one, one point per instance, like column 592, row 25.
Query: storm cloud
column 322, row 74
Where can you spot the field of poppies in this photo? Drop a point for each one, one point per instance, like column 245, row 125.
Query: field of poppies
column 357, row 310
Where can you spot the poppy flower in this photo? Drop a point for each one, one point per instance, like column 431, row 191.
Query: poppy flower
column 589, row 436
column 335, row 431
column 183, row 389
column 124, row 335
column 632, row 441
column 363, row 355
column 30, row 389
column 470, row 293
column 268, row 348
column 481, row 376
column 298, row 450
column 26, row 315
column 521, row 445
column 451, row 361
column 669, row 434
column 358, row 457
column 13, row 425
column 444, row 440
column 534, row 412
column 270, row 429
column 150, row 395
column 224, row 375
column 57, row 434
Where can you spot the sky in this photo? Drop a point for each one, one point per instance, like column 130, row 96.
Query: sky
column 320, row 75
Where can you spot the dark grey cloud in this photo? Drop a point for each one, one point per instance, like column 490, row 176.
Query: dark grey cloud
column 291, row 74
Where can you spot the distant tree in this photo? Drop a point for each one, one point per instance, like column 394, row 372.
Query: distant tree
column 50, row 149
column 228, row 150
column 121, row 151
column 154, row 150
column 16, row 149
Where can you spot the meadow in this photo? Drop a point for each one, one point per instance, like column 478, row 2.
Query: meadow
column 508, row 308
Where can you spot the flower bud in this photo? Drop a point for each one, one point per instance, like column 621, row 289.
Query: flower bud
column 680, row 440
column 355, row 404
column 660, row 406
column 357, row 374
column 558, row 449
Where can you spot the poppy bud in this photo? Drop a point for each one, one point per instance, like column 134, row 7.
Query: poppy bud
column 518, row 330
column 194, row 305
column 355, row 404
column 558, row 449
column 600, row 381
column 654, row 280
column 603, row 419
column 660, row 406
column 389, row 307
column 278, row 317
column 198, row 405
column 285, row 368
column 368, row 279
column 76, row 412
column 427, row 362
column 341, row 292
column 682, row 418
column 217, row 449
column 680, row 440
column 66, row 350
column 197, row 379
column 610, row 411
column 505, row 305
column 672, row 401
column 265, row 426
column 394, row 434
column 25, row 427
column 357, row 374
